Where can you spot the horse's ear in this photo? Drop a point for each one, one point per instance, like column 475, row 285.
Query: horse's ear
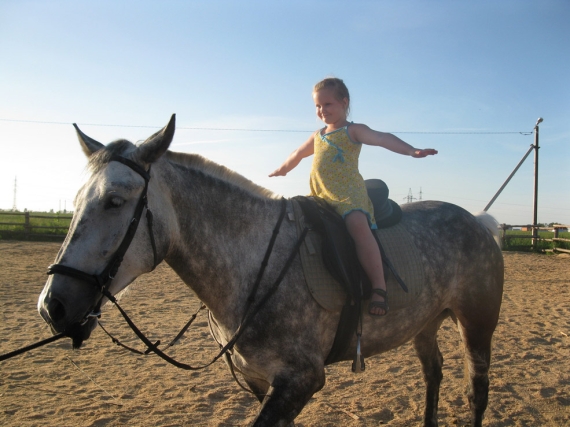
column 157, row 144
column 89, row 145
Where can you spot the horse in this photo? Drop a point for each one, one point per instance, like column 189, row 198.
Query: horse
column 212, row 227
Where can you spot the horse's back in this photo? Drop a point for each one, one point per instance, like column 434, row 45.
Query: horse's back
column 441, row 229
column 463, row 260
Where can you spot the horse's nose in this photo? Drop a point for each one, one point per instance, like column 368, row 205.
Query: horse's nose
column 55, row 310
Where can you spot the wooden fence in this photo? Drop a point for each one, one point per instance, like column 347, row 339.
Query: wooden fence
column 535, row 236
column 27, row 228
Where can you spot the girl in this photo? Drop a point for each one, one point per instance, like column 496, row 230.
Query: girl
column 335, row 176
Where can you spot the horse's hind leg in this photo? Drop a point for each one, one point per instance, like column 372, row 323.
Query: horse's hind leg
column 477, row 343
column 425, row 344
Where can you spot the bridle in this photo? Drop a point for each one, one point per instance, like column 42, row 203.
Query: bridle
column 102, row 280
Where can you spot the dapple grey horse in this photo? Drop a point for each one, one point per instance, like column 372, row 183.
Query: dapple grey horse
column 212, row 226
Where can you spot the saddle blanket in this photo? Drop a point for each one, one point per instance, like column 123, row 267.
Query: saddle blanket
column 399, row 248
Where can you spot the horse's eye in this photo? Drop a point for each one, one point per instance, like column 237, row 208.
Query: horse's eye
column 114, row 202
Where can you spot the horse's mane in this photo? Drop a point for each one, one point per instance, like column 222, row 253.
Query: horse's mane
column 196, row 161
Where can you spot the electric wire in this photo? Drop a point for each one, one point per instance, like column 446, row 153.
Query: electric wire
column 267, row 130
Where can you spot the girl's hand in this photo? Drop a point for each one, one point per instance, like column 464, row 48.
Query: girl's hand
column 424, row 153
column 278, row 172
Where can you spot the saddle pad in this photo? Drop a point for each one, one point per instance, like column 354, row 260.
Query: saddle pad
column 399, row 248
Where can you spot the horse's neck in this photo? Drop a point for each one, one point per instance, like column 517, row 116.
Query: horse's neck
column 221, row 236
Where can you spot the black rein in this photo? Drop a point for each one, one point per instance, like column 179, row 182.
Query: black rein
column 102, row 280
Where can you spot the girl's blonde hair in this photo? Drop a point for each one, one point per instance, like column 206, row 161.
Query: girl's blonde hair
column 338, row 87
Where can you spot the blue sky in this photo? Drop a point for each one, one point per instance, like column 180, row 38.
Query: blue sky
column 462, row 77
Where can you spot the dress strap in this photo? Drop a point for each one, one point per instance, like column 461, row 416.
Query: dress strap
column 339, row 151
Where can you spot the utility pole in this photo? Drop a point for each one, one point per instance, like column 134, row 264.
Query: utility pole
column 535, row 196
column 409, row 198
column 535, row 203
column 14, row 206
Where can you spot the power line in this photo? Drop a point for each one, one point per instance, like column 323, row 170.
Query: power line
column 267, row 130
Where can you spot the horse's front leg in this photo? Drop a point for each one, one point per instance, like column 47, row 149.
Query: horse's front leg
column 290, row 391
column 258, row 387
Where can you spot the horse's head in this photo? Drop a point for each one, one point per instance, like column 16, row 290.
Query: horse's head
column 105, row 249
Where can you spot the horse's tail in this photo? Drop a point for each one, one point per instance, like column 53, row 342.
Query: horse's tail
column 491, row 224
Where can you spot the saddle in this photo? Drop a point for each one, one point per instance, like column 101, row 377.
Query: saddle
column 339, row 256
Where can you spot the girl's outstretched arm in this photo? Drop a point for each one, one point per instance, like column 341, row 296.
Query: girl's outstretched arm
column 305, row 150
column 365, row 135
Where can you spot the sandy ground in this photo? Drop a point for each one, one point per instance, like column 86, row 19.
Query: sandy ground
column 103, row 385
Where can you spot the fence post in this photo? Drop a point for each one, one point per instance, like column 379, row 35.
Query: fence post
column 27, row 227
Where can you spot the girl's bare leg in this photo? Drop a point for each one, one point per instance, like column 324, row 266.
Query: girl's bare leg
column 368, row 254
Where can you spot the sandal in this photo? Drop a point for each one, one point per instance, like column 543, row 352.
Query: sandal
column 379, row 304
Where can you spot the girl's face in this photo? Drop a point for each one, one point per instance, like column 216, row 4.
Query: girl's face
column 329, row 109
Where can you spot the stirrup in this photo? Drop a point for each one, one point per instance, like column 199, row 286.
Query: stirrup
column 358, row 362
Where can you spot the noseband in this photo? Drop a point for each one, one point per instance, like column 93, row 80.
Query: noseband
column 102, row 280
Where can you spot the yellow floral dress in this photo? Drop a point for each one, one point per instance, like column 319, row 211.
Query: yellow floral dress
column 335, row 176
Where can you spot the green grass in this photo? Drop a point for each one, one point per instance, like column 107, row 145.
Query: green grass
column 40, row 226
column 512, row 243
